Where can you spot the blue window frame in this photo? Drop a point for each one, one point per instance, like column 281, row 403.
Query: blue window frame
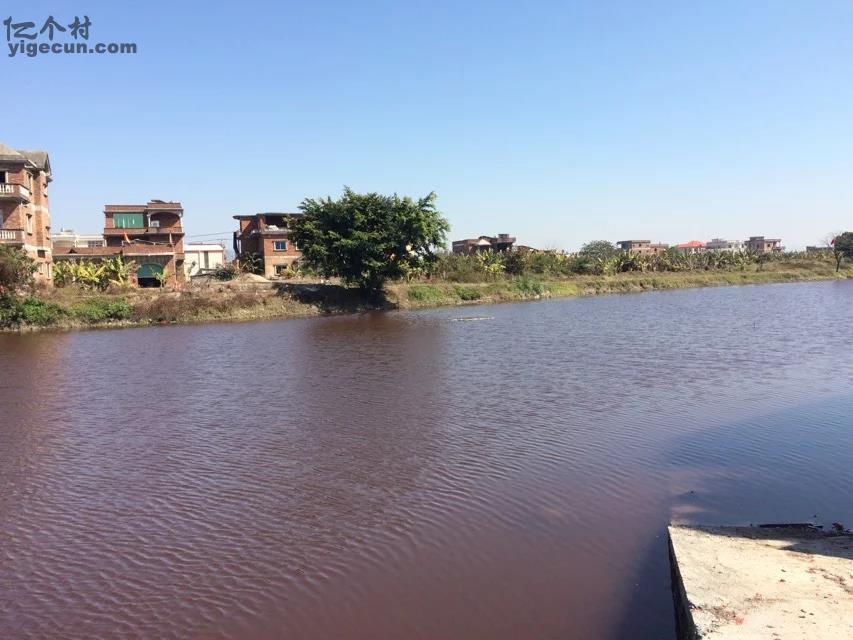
column 279, row 245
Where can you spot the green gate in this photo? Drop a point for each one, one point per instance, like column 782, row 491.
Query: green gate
column 148, row 274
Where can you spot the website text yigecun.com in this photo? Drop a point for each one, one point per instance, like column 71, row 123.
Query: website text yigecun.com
column 32, row 49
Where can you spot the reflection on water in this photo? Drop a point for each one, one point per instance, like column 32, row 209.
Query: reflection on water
column 403, row 475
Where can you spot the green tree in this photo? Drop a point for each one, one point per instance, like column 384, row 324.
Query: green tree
column 599, row 250
column 842, row 247
column 16, row 270
column 369, row 238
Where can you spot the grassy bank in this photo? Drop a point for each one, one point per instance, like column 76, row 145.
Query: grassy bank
column 72, row 308
column 432, row 294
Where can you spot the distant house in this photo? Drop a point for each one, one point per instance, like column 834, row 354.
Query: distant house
column 149, row 235
column 203, row 257
column 692, row 247
column 68, row 239
column 818, row 249
column 760, row 244
column 501, row 242
column 267, row 235
column 642, row 247
column 719, row 244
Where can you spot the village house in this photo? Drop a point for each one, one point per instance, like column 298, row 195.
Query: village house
column 469, row 246
column 69, row 239
column 24, row 211
column 203, row 257
column 760, row 244
column 149, row 235
column 642, row 247
column 691, row 247
column 267, row 236
column 719, row 244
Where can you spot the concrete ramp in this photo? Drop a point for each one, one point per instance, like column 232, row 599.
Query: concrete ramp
column 776, row 582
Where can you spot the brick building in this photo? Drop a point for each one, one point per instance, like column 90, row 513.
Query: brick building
column 642, row 247
column 760, row 244
column 267, row 235
column 24, row 211
column 468, row 246
column 149, row 235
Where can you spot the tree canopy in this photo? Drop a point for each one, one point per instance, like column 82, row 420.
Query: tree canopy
column 368, row 238
column 598, row 249
column 842, row 247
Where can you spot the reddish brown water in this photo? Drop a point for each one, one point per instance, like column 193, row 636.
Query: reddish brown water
column 407, row 475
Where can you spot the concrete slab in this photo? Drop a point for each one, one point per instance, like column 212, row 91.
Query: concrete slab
column 787, row 582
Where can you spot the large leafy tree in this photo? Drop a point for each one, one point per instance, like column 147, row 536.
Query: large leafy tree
column 598, row 250
column 369, row 238
column 842, row 247
column 16, row 269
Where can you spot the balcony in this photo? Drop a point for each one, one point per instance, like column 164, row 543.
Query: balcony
column 137, row 231
column 17, row 192
column 11, row 236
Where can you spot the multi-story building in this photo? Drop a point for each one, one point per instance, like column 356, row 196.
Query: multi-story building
column 24, row 211
column 68, row 239
column 719, row 244
column 468, row 246
column 642, row 247
column 691, row 247
column 267, row 235
column 760, row 244
column 203, row 257
column 149, row 235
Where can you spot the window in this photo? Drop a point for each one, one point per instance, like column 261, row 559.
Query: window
column 2, row 177
column 128, row 221
column 94, row 243
column 279, row 245
column 29, row 223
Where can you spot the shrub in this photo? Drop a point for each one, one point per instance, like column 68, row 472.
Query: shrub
column 102, row 309
column 423, row 293
column 17, row 311
column 227, row 271
column 468, row 293
column 529, row 285
column 16, row 269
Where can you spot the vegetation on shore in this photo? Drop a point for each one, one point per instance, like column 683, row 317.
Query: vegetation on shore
column 241, row 299
column 383, row 252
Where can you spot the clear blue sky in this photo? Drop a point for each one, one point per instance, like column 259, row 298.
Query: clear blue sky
column 558, row 122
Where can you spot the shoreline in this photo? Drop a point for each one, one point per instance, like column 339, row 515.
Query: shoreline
column 239, row 301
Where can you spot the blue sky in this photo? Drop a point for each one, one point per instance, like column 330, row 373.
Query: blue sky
column 558, row 122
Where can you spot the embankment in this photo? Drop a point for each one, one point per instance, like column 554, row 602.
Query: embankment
column 242, row 300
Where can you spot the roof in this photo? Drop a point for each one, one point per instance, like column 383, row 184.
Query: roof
column 38, row 158
column 8, row 154
column 693, row 244
column 248, row 216
column 153, row 205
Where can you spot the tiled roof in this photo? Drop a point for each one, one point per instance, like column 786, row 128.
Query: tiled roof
column 8, row 154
